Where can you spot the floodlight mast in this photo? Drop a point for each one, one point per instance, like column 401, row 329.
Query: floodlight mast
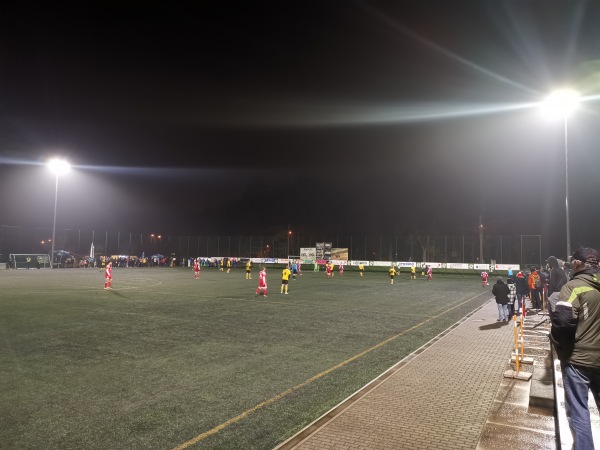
column 560, row 104
column 58, row 167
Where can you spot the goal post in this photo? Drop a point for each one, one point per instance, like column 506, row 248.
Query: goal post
column 29, row 261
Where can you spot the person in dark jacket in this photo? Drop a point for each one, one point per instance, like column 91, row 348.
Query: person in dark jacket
column 501, row 291
column 575, row 334
column 557, row 279
column 522, row 291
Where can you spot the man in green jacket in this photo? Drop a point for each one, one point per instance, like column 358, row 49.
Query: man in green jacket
column 576, row 336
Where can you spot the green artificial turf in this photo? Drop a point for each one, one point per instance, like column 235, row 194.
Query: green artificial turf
column 163, row 358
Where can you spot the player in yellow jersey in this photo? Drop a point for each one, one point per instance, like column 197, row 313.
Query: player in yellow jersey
column 228, row 265
column 285, row 276
column 249, row 270
column 361, row 269
column 413, row 272
column 392, row 272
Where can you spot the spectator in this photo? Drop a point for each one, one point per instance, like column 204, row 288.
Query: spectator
column 501, row 292
column 512, row 296
column 557, row 279
column 544, row 278
column 522, row 290
column 534, row 283
column 576, row 335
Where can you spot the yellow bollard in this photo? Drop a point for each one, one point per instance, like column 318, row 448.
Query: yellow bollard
column 516, row 333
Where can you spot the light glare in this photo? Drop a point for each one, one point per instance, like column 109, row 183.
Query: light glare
column 59, row 166
column 561, row 103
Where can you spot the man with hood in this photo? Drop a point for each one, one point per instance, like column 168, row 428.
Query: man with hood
column 575, row 334
column 501, row 291
column 557, row 279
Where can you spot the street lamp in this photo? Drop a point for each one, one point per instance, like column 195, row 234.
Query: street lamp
column 560, row 104
column 288, row 247
column 58, row 167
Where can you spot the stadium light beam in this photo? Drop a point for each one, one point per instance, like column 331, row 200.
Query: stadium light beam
column 58, row 167
column 560, row 104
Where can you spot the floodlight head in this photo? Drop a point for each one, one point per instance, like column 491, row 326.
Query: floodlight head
column 59, row 166
column 561, row 103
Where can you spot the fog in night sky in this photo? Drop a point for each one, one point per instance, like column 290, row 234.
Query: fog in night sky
column 336, row 117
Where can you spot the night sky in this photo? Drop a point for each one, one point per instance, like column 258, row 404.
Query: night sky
column 337, row 118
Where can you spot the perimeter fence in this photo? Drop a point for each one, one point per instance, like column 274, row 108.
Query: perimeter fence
column 521, row 249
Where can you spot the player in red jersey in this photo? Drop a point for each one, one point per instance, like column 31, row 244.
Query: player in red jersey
column 196, row 269
column 329, row 269
column 484, row 278
column 341, row 270
column 429, row 273
column 108, row 276
column 262, row 282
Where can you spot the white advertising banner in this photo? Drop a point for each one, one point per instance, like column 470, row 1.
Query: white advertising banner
column 405, row 264
column 381, row 263
column 308, row 253
column 481, row 266
column 507, row 267
column 457, row 266
column 338, row 262
column 433, row 265
column 357, row 263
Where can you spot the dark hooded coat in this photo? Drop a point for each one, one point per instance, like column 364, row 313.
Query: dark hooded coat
column 558, row 277
column 501, row 291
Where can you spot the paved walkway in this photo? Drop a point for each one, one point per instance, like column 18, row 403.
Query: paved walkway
column 440, row 397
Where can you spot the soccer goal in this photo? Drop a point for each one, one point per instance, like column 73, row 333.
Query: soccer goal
column 29, row 261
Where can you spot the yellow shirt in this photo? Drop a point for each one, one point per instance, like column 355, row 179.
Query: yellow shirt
column 248, row 265
column 392, row 271
column 412, row 269
column 361, row 267
column 285, row 274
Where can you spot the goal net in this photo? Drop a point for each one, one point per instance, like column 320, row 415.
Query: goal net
column 29, row 261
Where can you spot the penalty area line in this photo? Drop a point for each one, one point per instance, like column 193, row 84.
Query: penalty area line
column 316, row 377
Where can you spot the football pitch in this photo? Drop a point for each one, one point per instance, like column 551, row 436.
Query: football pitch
column 164, row 361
